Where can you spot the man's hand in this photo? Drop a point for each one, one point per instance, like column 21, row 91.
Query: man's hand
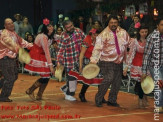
column 58, row 65
column 92, row 62
column 125, row 71
column 142, row 77
column 160, row 83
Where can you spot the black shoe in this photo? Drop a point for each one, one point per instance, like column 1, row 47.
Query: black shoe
column 8, row 100
column 5, row 100
column 98, row 104
column 82, row 98
column 103, row 100
column 113, row 104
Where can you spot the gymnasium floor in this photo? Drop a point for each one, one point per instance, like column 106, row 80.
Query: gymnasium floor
column 55, row 109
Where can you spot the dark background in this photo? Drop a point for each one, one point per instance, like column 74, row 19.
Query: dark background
column 35, row 10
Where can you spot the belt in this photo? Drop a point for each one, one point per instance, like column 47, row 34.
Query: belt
column 6, row 57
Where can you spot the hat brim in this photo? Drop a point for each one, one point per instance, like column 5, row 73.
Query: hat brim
column 24, row 56
column 90, row 71
column 17, row 15
column 58, row 73
column 147, row 85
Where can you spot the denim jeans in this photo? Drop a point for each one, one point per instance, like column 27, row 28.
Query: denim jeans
column 160, row 74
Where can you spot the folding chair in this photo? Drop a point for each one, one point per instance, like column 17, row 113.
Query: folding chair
column 126, row 80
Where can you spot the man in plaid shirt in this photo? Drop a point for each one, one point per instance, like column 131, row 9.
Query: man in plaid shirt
column 68, row 55
column 153, row 60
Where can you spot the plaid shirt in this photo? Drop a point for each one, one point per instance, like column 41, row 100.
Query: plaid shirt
column 153, row 51
column 131, row 30
column 69, row 48
column 53, row 52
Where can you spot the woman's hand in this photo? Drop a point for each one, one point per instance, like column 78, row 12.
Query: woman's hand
column 52, row 69
column 80, row 70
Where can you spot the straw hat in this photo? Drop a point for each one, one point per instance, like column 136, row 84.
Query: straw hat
column 58, row 73
column 15, row 15
column 24, row 56
column 66, row 18
column 161, row 109
column 60, row 16
column 90, row 71
column 147, row 85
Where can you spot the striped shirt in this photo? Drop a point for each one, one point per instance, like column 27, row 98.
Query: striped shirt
column 69, row 48
column 10, row 40
column 105, row 46
column 153, row 53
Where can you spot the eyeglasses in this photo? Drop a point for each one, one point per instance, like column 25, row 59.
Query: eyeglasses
column 68, row 27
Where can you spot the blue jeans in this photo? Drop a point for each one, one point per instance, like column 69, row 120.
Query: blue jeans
column 160, row 77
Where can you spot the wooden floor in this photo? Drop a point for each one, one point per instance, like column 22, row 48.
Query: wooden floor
column 55, row 109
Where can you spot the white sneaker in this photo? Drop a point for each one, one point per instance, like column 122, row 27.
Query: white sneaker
column 70, row 98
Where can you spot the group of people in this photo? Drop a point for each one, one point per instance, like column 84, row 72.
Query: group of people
column 22, row 26
column 108, row 48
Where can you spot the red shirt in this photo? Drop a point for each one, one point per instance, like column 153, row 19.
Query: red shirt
column 81, row 26
column 88, row 44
